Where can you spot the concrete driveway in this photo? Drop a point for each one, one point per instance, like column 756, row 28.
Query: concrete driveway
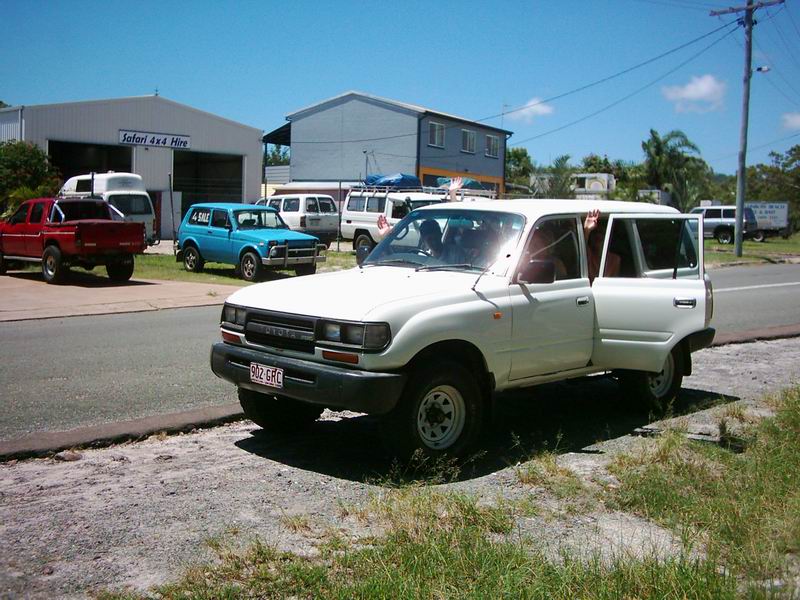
column 26, row 296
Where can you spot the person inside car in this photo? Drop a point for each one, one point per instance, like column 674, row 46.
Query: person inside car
column 594, row 233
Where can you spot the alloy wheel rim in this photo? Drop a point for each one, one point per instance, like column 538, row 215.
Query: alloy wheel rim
column 441, row 417
column 662, row 381
column 50, row 266
column 191, row 260
column 248, row 267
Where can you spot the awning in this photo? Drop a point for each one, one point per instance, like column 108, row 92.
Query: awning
column 282, row 136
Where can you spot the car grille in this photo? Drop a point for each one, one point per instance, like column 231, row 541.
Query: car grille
column 280, row 331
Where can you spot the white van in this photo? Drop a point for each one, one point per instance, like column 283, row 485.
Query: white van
column 314, row 214
column 123, row 191
column 363, row 207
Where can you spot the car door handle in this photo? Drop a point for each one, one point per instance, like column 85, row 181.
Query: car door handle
column 684, row 302
column 582, row 301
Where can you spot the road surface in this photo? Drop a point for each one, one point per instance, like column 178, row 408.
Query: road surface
column 60, row 374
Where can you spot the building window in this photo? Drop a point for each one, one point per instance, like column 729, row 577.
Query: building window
column 493, row 146
column 436, row 135
column 468, row 141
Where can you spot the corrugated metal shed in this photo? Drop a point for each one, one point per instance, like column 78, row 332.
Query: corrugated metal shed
column 10, row 124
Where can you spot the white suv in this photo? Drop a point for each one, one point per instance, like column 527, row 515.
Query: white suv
column 460, row 301
column 314, row 214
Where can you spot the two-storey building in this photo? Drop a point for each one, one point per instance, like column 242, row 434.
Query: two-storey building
column 353, row 135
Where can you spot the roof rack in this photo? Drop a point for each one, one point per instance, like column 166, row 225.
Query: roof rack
column 438, row 191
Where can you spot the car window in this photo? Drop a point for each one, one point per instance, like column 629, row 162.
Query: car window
column 276, row 204
column 219, row 218
column 36, row 213
column 131, row 204
column 326, row 205
column 556, row 240
column 376, row 205
column 311, row 205
column 356, row 203
column 19, row 216
column 291, row 205
column 728, row 213
column 399, row 210
column 200, row 216
column 89, row 209
column 258, row 219
column 713, row 213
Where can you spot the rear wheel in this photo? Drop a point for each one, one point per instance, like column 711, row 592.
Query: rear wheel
column 53, row 268
column 439, row 412
column 654, row 392
column 192, row 261
column 277, row 412
column 308, row 269
column 250, row 266
column 121, row 270
column 724, row 236
column 3, row 265
column 759, row 236
column 363, row 239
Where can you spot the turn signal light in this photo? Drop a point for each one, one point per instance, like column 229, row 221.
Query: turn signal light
column 344, row 357
column 231, row 338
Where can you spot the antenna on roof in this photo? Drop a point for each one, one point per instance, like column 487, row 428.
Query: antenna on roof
column 156, row 91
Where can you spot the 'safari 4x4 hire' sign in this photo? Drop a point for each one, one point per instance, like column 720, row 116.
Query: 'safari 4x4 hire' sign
column 149, row 138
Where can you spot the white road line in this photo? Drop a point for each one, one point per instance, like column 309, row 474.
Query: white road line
column 756, row 287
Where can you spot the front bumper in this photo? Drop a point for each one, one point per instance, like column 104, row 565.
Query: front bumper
column 283, row 256
column 311, row 382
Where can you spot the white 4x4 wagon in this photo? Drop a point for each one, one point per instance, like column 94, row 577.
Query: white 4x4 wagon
column 460, row 301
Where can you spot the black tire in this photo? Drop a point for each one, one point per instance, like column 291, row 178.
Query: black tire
column 121, row 270
column 759, row 236
column 53, row 268
column 724, row 236
column 250, row 266
column 308, row 269
column 277, row 413
column 3, row 265
column 192, row 261
column 363, row 239
column 654, row 392
column 440, row 413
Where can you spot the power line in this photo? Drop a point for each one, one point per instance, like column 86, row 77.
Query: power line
column 550, row 99
column 780, row 35
column 783, row 139
column 791, row 18
column 627, row 96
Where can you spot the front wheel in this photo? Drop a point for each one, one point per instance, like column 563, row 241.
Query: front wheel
column 439, row 412
column 121, row 270
column 250, row 266
column 192, row 261
column 724, row 236
column 277, row 412
column 363, row 239
column 307, row 269
column 53, row 268
column 654, row 392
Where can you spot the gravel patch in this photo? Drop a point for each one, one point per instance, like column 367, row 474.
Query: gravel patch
column 133, row 515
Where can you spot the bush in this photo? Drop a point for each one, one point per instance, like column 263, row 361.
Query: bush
column 25, row 172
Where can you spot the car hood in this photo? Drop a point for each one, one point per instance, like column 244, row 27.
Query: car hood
column 353, row 294
column 279, row 235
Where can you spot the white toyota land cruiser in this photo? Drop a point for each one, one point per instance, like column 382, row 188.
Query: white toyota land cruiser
column 461, row 301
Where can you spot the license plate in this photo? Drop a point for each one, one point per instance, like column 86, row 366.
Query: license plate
column 271, row 376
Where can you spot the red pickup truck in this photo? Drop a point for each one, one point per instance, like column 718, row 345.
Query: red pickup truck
column 65, row 232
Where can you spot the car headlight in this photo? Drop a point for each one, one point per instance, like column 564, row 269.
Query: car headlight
column 233, row 315
column 368, row 336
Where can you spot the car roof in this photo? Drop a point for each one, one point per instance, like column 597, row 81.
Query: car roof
column 536, row 207
column 230, row 206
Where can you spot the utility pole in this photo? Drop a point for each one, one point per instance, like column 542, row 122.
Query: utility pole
column 747, row 21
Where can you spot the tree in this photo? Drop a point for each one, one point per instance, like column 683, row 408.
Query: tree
column 561, row 184
column 519, row 166
column 671, row 165
column 3, row 104
column 276, row 156
column 25, row 172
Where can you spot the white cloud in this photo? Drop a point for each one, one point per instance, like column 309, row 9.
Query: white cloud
column 533, row 108
column 791, row 120
column 702, row 94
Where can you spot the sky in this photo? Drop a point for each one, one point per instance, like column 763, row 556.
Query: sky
column 255, row 62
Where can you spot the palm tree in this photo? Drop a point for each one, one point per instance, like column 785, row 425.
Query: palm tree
column 670, row 163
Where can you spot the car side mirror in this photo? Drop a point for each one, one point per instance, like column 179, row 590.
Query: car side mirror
column 362, row 252
column 538, row 271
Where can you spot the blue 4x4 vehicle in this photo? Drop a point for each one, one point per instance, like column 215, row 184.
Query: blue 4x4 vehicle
column 250, row 236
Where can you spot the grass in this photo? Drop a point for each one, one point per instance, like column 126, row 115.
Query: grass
column 753, row 252
column 743, row 507
column 440, row 546
column 164, row 267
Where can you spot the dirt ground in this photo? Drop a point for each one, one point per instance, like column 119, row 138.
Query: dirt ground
column 132, row 515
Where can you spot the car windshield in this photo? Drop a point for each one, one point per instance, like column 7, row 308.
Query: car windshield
column 449, row 239
column 258, row 219
column 131, row 204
